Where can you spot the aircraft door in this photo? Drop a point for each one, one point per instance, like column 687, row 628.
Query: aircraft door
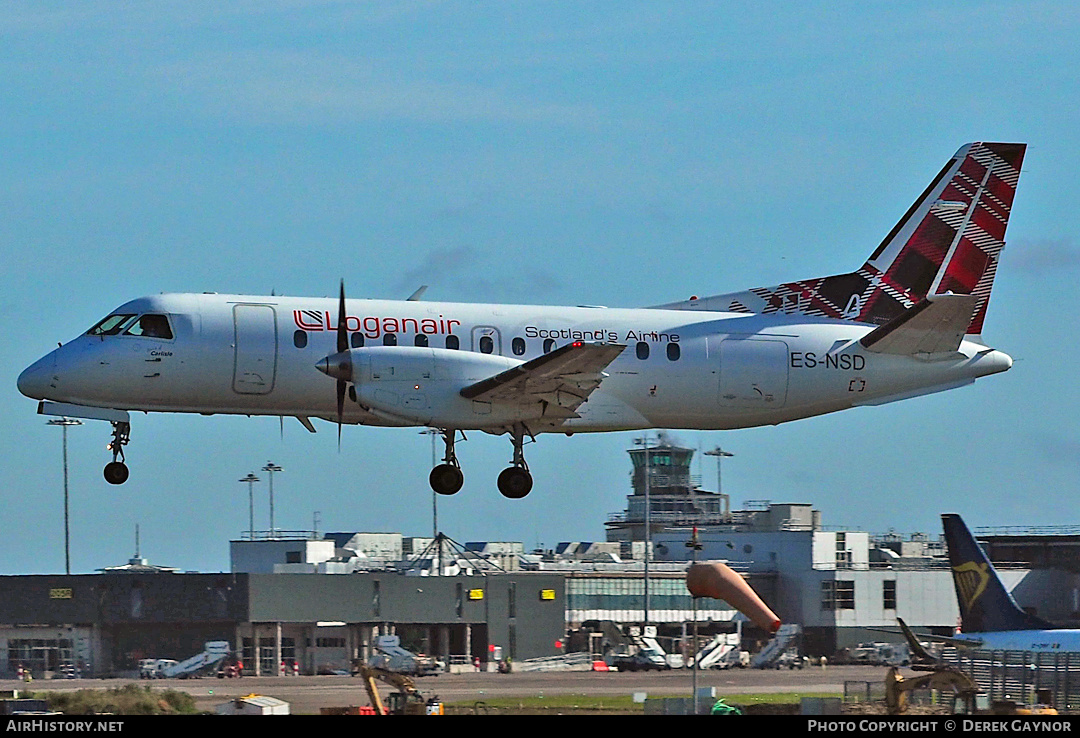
column 255, row 366
column 753, row 374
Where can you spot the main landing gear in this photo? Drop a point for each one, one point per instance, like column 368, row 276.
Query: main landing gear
column 116, row 471
column 446, row 478
column 514, row 482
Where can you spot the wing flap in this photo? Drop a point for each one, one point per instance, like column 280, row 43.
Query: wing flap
column 561, row 380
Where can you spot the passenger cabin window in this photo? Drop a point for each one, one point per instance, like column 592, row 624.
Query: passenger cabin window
column 421, row 340
column 389, row 339
column 642, row 350
column 673, row 352
column 549, row 345
column 518, row 346
column 299, row 339
column 487, row 344
column 111, row 325
column 453, row 343
column 356, row 340
column 151, row 326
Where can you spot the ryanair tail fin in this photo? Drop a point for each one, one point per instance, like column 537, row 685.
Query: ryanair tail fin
column 985, row 604
column 948, row 241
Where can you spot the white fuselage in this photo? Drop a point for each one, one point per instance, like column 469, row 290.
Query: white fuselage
column 680, row 369
column 1050, row 640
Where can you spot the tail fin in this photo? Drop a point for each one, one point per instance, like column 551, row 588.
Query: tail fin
column 985, row 604
column 949, row 240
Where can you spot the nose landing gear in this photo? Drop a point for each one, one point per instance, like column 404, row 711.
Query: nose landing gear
column 116, row 471
column 446, row 478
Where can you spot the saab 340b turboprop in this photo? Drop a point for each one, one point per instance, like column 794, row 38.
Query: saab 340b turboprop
column 907, row 323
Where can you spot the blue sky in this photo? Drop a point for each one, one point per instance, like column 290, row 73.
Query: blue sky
column 617, row 153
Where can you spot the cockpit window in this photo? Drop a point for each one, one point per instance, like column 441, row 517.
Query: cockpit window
column 151, row 326
column 111, row 325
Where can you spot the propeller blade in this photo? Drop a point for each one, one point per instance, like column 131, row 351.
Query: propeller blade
column 342, row 346
column 342, row 320
column 340, row 409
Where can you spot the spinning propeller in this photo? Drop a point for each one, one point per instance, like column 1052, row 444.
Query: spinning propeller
column 339, row 365
column 342, row 347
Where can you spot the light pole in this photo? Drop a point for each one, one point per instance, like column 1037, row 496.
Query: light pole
column 64, row 423
column 720, row 454
column 251, row 479
column 434, row 496
column 694, row 545
column 434, row 503
column 270, row 468
column 644, row 443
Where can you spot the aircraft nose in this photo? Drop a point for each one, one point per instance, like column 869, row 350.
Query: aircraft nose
column 37, row 379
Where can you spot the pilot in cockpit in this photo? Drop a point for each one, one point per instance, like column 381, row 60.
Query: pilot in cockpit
column 151, row 326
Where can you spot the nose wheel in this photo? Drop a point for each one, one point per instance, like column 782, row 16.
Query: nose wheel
column 515, row 481
column 116, row 471
column 446, row 478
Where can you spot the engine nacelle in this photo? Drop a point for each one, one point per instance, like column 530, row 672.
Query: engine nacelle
column 423, row 384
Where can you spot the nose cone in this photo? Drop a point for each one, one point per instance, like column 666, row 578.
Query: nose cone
column 338, row 366
column 38, row 378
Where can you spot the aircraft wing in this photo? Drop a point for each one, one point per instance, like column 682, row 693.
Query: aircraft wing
column 561, row 380
column 966, row 641
column 935, row 325
column 917, row 651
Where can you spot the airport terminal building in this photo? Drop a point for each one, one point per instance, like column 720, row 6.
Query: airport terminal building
column 103, row 624
column 318, row 601
column 297, row 604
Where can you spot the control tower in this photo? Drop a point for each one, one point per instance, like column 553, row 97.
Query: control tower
column 661, row 474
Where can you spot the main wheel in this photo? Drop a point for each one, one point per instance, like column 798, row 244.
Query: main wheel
column 116, row 472
column 515, row 482
column 446, row 479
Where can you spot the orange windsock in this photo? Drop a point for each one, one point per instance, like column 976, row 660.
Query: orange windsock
column 719, row 581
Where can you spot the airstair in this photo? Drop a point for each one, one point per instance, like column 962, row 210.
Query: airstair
column 721, row 652
column 390, row 656
column 213, row 653
column 784, row 639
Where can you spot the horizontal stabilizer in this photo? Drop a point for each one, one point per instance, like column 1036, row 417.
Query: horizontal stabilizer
column 935, row 325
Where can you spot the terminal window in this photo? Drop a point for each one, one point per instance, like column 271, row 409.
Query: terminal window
column 38, row 654
column 888, row 594
column 837, row 595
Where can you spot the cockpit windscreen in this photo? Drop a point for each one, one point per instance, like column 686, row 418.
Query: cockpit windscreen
column 149, row 325
column 111, row 325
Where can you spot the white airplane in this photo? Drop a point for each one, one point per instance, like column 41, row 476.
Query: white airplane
column 907, row 323
column 990, row 618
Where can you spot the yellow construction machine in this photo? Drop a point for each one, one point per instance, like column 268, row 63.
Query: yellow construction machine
column 407, row 700
column 967, row 697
